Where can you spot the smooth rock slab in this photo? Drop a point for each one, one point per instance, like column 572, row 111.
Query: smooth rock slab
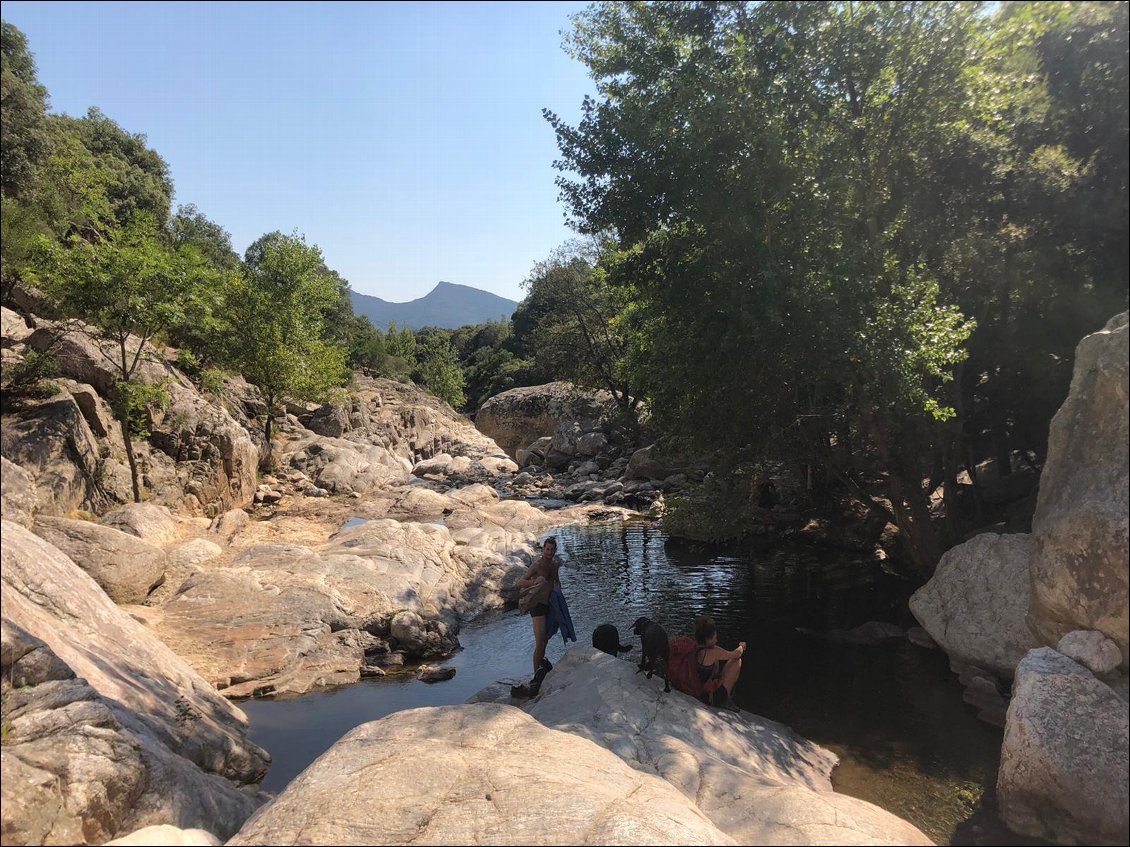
column 148, row 522
column 474, row 774
column 757, row 780
column 136, row 739
column 1063, row 774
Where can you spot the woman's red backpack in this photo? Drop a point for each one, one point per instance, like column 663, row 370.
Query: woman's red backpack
column 682, row 669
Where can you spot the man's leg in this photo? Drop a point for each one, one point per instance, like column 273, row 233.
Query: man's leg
column 540, row 641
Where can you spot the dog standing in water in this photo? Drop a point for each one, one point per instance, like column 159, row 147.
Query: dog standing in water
column 655, row 649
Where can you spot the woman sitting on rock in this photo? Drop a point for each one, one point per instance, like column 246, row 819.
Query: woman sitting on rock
column 718, row 669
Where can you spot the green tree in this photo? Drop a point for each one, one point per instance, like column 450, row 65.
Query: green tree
column 24, row 139
column 769, row 173
column 581, row 332
column 438, row 368
column 128, row 289
column 135, row 177
column 279, row 345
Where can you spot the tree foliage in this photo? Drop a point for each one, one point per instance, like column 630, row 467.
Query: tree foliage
column 817, row 206
column 279, row 345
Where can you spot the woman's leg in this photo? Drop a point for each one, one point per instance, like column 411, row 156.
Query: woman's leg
column 540, row 641
column 730, row 672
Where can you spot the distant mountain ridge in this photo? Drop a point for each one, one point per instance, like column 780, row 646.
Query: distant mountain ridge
column 447, row 305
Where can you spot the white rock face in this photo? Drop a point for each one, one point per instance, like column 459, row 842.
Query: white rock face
column 755, row 779
column 1081, row 570
column 1064, row 774
column 109, row 730
column 974, row 606
column 476, row 774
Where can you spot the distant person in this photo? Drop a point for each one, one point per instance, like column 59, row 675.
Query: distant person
column 718, row 669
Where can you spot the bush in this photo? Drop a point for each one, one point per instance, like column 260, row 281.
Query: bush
column 188, row 363
column 722, row 508
column 212, row 381
column 28, row 377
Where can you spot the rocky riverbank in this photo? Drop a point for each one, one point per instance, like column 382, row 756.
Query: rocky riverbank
column 380, row 531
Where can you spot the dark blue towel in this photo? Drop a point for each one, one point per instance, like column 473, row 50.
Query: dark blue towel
column 558, row 618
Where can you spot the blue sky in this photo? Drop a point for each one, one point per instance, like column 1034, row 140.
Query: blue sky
column 405, row 139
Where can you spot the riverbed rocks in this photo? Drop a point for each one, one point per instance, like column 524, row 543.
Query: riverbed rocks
column 1064, row 770
column 1080, row 577
column 106, row 730
column 755, row 779
column 300, row 611
column 475, row 774
column 974, row 607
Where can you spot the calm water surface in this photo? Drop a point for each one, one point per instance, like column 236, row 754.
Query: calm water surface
column 893, row 713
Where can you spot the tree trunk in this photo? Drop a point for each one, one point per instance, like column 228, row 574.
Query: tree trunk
column 267, row 434
column 128, row 439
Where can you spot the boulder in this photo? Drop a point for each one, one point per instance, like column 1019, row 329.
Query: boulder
column 650, row 463
column 147, row 521
column 109, row 730
column 757, row 780
column 126, row 567
column 166, row 836
column 329, row 420
column 974, row 605
column 1080, row 565
column 229, row 523
column 474, row 774
column 520, row 416
column 345, row 467
column 431, row 674
column 13, row 328
column 54, row 445
column 1091, row 649
column 1063, row 774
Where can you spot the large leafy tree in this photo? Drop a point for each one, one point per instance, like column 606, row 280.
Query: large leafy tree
column 579, row 326
column 279, row 341
column 128, row 288
column 770, row 171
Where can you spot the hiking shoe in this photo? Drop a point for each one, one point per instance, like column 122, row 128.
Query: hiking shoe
column 519, row 692
column 730, row 705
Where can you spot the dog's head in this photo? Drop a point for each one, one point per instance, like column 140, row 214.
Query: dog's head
column 641, row 626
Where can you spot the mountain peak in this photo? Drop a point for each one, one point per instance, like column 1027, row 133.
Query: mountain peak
column 448, row 305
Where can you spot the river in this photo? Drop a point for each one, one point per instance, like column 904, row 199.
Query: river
column 893, row 713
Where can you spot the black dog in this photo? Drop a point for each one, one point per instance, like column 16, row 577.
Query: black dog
column 656, row 649
column 607, row 639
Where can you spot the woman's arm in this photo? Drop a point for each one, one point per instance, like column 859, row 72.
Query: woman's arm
column 717, row 653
